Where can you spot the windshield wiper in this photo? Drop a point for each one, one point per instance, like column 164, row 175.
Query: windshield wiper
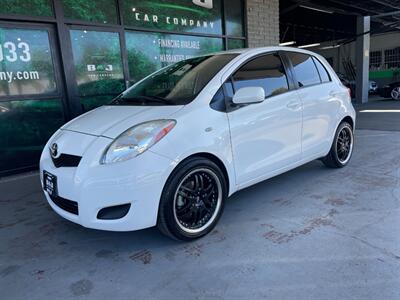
column 141, row 99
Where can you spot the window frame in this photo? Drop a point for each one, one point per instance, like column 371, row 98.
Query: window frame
column 229, row 105
column 316, row 60
column 298, row 87
column 277, row 53
column 59, row 91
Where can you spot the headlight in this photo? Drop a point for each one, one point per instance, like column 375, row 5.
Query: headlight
column 137, row 140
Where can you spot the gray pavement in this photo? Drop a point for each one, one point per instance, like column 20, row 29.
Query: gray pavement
column 312, row 233
column 379, row 114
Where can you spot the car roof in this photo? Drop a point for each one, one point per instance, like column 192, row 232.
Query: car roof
column 265, row 49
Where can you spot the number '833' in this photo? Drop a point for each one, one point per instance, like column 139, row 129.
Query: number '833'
column 12, row 52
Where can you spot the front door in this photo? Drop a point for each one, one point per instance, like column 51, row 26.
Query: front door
column 266, row 137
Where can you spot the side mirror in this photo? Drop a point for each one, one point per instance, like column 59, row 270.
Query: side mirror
column 249, row 95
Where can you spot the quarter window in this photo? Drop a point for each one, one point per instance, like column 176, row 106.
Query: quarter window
column 266, row 72
column 304, row 69
column 322, row 71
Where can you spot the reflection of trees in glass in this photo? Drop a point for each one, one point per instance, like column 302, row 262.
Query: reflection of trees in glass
column 100, row 11
column 176, row 8
column 140, row 65
column 144, row 51
column 235, row 44
column 95, row 101
column 98, row 49
column 40, row 63
column 25, row 126
column 234, row 18
column 41, row 8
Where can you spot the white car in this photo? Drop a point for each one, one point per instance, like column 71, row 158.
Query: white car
column 170, row 150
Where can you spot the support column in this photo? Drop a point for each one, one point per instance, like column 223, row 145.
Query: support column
column 362, row 59
column 262, row 22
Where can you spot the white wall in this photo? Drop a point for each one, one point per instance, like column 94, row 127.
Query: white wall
column 378, row 42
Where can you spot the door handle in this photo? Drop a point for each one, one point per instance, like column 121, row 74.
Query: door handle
column 293, row 105
column 333, row 93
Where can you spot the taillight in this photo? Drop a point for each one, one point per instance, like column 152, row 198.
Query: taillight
column 349, row 91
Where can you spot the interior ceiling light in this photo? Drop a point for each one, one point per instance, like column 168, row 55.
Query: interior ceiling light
column 287, row 43
column 310, row 45
column 316, row 9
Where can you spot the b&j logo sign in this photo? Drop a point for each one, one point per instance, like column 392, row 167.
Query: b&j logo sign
column 204, row 3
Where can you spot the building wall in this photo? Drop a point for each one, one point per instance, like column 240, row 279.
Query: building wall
column 61, row 58
column 379, row 42
column 262, row 23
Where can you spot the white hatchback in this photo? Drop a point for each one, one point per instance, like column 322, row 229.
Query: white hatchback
column 170, row 150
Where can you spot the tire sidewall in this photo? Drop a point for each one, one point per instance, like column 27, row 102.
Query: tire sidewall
column 167, row 199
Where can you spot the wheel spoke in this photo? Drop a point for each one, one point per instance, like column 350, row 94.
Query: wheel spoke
column 195, row 218
column 196, row 181
column 183, row 208
column 201, row 182
column 184, row 214
column 183, row 194
column 189, row 190
column 207, row 197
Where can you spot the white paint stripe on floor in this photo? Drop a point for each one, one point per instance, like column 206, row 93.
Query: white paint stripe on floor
column 18, row 177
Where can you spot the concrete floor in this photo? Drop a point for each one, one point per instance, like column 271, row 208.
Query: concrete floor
column 379, row 114
column 313, row 233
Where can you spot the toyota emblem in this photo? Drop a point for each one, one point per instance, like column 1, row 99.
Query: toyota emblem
column 54, row 150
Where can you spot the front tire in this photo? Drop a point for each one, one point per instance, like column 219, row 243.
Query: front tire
column 342, row 147
column 192, row 200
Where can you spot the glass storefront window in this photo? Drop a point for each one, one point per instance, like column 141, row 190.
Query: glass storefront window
column 35, row 8
column 99, row 11
column 200, row 16
column 234, row 18
column 26, row 64
column 236, row 44
column 98, row 65
column 148, row 52
column 25, row 127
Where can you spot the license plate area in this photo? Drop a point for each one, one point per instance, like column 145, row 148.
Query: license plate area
column 50, row 183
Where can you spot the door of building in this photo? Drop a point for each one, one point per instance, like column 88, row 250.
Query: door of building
column 31, row 93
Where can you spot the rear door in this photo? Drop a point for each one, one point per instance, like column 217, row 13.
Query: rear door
column 317, row 92
column 266, row 137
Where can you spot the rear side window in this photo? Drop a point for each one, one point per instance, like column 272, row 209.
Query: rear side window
column 323, row 73
column 304, row 69
column 266, row 71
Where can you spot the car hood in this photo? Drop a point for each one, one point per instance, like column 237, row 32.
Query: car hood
column 111, row 121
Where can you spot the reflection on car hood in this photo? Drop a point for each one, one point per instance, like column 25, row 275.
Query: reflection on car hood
column 111, row 121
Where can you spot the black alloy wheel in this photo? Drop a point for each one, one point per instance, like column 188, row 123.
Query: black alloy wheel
column 192, row 200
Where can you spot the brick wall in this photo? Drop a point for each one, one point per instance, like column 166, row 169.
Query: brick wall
column 263, row 22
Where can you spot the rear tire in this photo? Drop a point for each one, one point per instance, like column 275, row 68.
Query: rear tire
column 395, row 93
column 192, row 200
column 342, row 147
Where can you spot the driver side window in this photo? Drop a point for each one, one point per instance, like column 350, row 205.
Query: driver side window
column 266, row 71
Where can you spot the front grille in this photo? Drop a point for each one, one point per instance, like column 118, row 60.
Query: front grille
column 65, row 204
column 66, row 160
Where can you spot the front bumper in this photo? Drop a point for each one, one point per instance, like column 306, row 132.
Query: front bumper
column 138, row 182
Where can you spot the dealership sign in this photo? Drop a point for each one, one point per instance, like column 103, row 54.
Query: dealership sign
column 26, row 66
column 202, row 16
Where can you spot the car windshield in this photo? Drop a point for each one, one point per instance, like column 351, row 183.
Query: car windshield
column 178, row 84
